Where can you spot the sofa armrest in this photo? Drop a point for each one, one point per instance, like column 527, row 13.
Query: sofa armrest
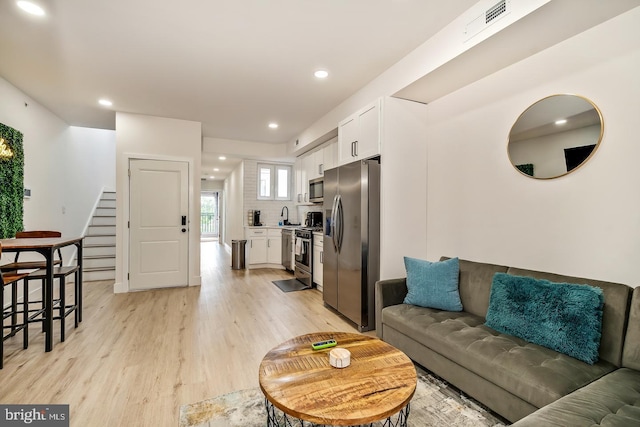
column 388, row 292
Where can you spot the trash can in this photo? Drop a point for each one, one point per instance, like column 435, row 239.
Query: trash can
column 237, row 254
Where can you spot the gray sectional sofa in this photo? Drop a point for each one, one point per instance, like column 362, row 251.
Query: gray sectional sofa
column 513, row 377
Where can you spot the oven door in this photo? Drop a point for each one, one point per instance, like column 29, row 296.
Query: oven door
column 303, row 257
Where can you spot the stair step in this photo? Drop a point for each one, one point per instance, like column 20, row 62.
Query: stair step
column 100, row 240
column 107, row 203
column 105, row 211
column 94, row 275
column 103, row 220
column 99, row 262
column 101, row 230
column 98, row 250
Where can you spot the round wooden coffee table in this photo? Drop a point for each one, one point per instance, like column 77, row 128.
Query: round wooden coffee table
column 300, row 382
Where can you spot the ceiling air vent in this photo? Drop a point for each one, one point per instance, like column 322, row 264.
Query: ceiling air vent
column 495, row 11
column 486, row 18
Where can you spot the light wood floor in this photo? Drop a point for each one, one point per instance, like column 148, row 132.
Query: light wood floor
column 137, row 357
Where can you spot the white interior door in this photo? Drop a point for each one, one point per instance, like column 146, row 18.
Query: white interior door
column 158, row 229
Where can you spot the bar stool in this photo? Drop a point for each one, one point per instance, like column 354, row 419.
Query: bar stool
column 12, row 312
column 60, row 304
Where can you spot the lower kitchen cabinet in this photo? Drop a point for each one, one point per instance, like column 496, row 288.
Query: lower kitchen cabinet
column 264, row 246
column 274, row 247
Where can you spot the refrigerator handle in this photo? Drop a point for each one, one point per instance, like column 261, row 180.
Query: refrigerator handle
column 334, row 208
column 340, row 224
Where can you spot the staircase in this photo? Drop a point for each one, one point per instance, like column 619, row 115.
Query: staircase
column 99, row 249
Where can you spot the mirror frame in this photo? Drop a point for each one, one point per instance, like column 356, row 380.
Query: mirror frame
column 597, row 143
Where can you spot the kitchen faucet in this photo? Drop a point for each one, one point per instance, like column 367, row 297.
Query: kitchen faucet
column 286, row 220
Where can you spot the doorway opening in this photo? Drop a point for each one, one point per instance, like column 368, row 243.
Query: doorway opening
column 209, row 215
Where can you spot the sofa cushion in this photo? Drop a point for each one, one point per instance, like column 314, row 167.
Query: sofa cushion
column 614, row 313
column 613, row 400
column 564, row 317
column 433, row 284
column 534, row 373
column 631, row 355
column 475, row 285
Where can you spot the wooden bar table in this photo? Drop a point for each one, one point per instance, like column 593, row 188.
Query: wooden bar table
column 299, row 381
column 47, row 247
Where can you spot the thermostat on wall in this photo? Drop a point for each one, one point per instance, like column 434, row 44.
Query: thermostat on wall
column 27, row 193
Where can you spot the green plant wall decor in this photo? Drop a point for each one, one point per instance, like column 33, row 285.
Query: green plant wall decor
column 11, row 181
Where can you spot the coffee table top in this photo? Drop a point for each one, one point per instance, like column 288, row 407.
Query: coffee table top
column 299, row 381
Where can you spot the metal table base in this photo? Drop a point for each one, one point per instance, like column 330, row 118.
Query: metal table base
column 277, row 418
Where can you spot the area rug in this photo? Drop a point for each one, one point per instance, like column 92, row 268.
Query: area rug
column 290, row 285
column 435, row 403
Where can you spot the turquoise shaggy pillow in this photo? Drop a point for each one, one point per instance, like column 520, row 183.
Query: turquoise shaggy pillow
column 433, row 284
column 564, row 317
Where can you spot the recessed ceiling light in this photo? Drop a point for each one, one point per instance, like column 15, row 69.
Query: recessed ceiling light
column 216, row 170
column 561, row 121
column 222, row 158
column 273, row 125
column 31, row 8
column 321, row 74
column 105, row 102
column 212, row 177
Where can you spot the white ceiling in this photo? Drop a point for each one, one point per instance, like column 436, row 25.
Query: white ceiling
column 234, row 65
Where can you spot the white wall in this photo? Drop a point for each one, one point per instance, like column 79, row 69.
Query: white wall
column 403, row 176
column 91, row 168
column 234, row 199
column 147, row 137
column 585, row 223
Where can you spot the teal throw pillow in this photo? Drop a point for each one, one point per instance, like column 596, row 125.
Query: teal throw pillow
column 565, row 317
column 433, row 284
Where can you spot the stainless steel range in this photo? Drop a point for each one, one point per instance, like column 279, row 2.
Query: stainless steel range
column 304, row 256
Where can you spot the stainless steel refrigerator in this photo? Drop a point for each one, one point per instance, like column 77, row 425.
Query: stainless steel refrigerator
column 352, row 240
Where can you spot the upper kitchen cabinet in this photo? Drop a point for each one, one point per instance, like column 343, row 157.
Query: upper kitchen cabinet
column 321, row 160
column 330, row 156
column 359, row 134
column 314, row 163
column 301, row 194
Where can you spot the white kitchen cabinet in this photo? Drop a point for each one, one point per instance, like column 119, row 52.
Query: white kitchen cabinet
column 318, row 259
column 359, row 134
column 257, row 246
column 301, row 182
column 274, row 246
column 311, row 168
column 264, row 246
column 330, row 156
column 314, row 162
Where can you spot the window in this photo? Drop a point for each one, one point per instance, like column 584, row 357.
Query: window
column 274, row 182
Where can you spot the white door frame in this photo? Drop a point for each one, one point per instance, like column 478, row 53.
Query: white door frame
column 194, row 224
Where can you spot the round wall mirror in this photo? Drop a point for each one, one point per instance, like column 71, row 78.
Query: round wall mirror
column 555, row 136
